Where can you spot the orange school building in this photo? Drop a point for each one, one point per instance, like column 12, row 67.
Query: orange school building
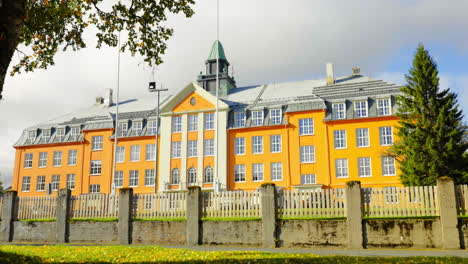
column 308, row 134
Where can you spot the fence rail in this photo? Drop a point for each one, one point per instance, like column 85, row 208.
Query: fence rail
column 94, row 206
column 36, row 207
column 160, row 205
column 462, row 199
column 322, row 203
column 400, row 201
column 232, row 204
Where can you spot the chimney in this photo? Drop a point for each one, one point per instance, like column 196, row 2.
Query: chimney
column 330, row 76
column 356, row 71
column 108, row 97
column 99, row 100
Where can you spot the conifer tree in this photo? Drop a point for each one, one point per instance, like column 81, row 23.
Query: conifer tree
column 430, row 130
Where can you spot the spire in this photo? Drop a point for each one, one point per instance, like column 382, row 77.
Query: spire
column 217, row 47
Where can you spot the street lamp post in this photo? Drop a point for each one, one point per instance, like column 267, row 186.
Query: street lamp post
column 152, row 88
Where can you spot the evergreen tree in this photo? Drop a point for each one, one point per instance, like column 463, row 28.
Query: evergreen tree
column 430, row 130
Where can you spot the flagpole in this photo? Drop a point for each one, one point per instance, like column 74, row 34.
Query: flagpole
column 216, row 182
column 116, row 122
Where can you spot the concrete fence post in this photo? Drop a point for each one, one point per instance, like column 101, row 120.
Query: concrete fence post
column 194, row 214
column 448, row 213
column 354, row 215
column 62, row 215
column 125, row 215
column 269, row 214
column 8, row 215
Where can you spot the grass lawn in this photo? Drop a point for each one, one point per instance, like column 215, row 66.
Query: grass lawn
column 153, row 254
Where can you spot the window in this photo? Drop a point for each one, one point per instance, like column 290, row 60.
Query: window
column 275, row 116
column 150, row 177
column 208, row 121
column 192, row 175
column 120, row 154
column 55, row 182
column 257, row 144
column 306, row 126
column 28, row 160
column 386, row 136
column 152, row 127
column 308, row 178
column 40, row 183
column 118, row 179
column 239, row 145
column 42, row 159
column 95, row 167
column 46, row 135
column 135, row 153
column 339, row 111
column 176, row 124
column 364, row 167
column 72, row 157
column 32, row 136
column 391, row 195
column 276, row 171
column 362, row 137
column 191, row 148
column 57, row 158
column 175, row 176
column 122, row 129
column 71, row 181
column 383, row 107
column 388, row 166
column 137, row 127
column 94, row 188
column 208, row 175
column 239, row 173
column 341, row 166
column 208, row 147
column 175, row 149
column 26, row 185
column 257, row 118
column 360, row 109
column 340, row 139
column 307, row 154
column 192, row 122
column 97, row 143
column 75, row 132
column 150, row 152
column 134, row 174
column 239, row 119
column 275, row 143
column 60, row 133
column 257, row 172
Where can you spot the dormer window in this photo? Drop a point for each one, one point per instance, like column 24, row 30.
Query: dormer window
column 257, row 118
column 339, row 111
column 152, row 127
column 122, row 129
column 275, row 116
column 75, row 132
column 384, row 107
column 137, row 127
column 239, row 119
column 60, row 133
column 32, row 136
column 46, row 135
column 360, row 108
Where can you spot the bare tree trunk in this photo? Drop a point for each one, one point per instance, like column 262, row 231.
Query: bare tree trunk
column 12, row 15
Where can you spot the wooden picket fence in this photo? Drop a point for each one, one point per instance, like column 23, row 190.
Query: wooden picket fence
column 322, row 203
column 232, row 204
column 1, row 206
column 36, row 207
column 160, row 205
column 462, row 199
column 94, row 206
column 400, row 201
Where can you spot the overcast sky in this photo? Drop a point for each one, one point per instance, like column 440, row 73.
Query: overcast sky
column 265, row 40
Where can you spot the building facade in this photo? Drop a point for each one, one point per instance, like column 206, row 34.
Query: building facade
column 307, row 134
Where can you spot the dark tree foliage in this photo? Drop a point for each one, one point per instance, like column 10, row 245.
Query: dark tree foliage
column 38, row 29
column 430, row 130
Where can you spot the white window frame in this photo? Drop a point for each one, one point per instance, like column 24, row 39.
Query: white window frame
column 42, row 160
column 28, row 160
column 134, row 176
column 97, row 142
column 120, row 154
column 55, row 183
column 341, row 168
column 364, row 167
column 257, row 118
column 388, row 166
column 137, row 126
column 361, row 109
column 208, row 147
column 239, row 119
column 32, row 136
column 208, row 175
column 308, row 179
column 119, row 179
column 192, row 148
column 192, row 176
column 122, row 129
column 71, row 179
column 152, row 127
column 362, row 136
column 46, row 133
column 57, row 159
column 176, row 149
column 176, row 124
column 40, row 183
column 135, row 153
column 26, row 184
column 72, row 157
column 239, row 146
column 150, row 177
column 257, row 144
column 94, row 188
column 386, row 135
column 239, row 173
column 339, row 111
column 75, row 132
column 276, row 116
column 384, row 107
column 306, row 126
column 307, row 153
column 257, row 172
column 192, row 122
column 175, row 176
column 60, row 133
column 340, row 139
column 276, row 169
column 150, row 152
column 208, row 121
column 275, row 143
column 95, row 167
